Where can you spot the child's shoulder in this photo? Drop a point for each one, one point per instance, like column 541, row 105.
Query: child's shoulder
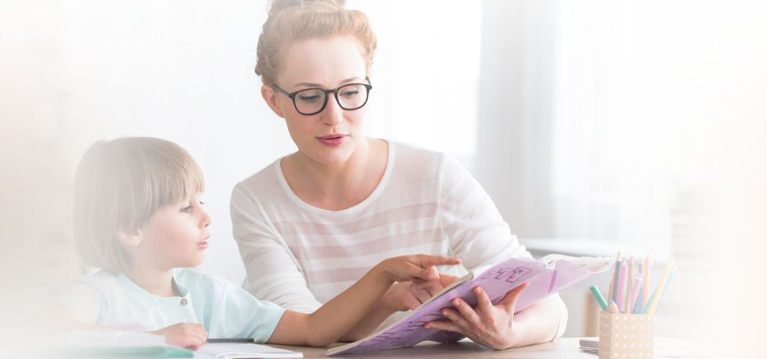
column 101, row 279
column 91, row 287
column 191, row 278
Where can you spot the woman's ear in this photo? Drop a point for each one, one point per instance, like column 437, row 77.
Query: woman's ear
column 271, row 99
column 131, row 239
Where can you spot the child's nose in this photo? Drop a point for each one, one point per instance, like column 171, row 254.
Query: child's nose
column 205, row 220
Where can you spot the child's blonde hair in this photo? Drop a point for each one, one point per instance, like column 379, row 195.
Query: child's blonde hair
column 119, row 185
column 295, row 20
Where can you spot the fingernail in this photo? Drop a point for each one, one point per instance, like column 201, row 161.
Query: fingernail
column 478, row 290
column 432, row 273
column 427, row 326
column 444, row 312
column 456, row 302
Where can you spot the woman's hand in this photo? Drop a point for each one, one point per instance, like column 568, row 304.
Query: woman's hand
column 411, row 294
column 186, row 335
column 490, row 325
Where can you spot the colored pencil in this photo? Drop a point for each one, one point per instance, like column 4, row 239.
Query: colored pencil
column 650, row 309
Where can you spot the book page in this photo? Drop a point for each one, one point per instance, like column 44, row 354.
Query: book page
column 496, row 280
column 546, row 277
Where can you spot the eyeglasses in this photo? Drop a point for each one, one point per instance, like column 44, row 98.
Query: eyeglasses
column 312, row 101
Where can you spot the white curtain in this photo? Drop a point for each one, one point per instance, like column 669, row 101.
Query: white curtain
column 612, row 143
column 590, row 120
column 425, row 73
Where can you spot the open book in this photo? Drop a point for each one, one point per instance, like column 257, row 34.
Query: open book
column 245, row 351
column 547, row 276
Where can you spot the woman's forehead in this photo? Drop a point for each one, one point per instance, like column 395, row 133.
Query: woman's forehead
column 323, row 61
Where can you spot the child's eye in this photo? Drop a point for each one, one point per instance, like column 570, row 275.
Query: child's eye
column 186, row 209
column 202, row 203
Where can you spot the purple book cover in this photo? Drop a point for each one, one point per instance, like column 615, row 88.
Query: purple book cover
column 547, row 276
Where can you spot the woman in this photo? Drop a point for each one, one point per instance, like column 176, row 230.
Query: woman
column 314, row 221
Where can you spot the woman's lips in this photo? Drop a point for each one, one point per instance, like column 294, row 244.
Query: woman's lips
column 332, row 140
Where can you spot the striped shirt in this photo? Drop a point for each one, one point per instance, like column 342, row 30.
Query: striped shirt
column 300, row 256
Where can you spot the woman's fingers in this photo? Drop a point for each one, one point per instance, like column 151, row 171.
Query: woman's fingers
column 509, row 301
column 484, row 305
column 469, row 316
column 447, row 326
column 456, row 318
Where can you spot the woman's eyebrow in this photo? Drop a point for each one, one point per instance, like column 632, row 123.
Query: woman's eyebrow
column 307, row 84
column 351, row 79
column 310, row 84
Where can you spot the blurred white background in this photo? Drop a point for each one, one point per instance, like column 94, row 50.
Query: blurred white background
column 596, row 126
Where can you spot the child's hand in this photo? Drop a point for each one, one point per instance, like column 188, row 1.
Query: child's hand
column 419, row 266
column 186, row 335
column 410, row 295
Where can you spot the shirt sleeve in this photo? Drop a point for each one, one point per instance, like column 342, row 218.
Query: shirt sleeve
column 468, row 217
column 477, row 232
column 246, row 316
column 80, row 302
column 272, row 271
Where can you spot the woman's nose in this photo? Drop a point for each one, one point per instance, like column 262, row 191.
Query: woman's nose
column 333, row 114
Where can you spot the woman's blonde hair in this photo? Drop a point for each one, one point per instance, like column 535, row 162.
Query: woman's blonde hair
column 294, row 20
column 118, row 187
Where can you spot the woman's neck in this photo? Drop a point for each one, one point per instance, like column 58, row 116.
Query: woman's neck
column 336, row 187
column 154, row 281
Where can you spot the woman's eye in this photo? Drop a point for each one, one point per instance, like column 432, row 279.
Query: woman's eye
column 314, row 98
column 351, row 93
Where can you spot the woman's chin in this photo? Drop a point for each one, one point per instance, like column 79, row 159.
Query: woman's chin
column 333, row 156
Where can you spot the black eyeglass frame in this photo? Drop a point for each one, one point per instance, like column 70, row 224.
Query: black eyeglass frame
column 292, row 96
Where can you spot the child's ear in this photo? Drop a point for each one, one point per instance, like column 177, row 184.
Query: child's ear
column 271, row 99
column 131, row 239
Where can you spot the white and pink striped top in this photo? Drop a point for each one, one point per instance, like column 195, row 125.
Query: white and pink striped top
column 300, row 256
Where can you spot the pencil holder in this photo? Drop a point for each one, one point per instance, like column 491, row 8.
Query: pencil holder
column 626, row 335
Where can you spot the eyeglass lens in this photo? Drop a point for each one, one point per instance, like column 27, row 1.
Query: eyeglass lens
column 350, row 97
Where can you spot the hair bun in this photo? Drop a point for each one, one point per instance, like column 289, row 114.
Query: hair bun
column 293, row 20
column 275, row 6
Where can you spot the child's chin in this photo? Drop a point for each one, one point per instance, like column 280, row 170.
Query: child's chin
column 195, row 262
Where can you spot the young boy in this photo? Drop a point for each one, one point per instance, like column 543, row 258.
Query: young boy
column 138, row 217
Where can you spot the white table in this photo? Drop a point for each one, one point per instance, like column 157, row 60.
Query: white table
column 561, row 348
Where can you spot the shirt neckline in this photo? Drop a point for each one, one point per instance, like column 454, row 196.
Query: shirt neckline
column 130, row 285
column 353, row 209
